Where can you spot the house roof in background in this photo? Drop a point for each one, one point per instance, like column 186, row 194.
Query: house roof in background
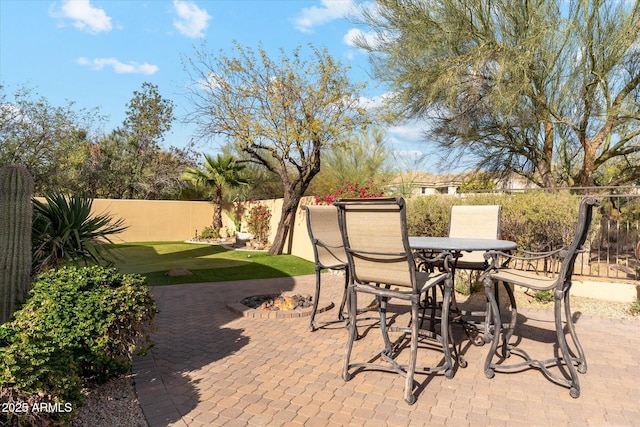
column 429, row 179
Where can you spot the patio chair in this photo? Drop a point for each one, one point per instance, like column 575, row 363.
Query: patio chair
column 478, row 222
column 381, row 263
column 328, row 252
column 569, row 360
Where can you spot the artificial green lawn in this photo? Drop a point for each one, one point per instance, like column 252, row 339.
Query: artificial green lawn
column 208, row 263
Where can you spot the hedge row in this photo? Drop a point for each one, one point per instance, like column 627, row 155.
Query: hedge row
column 537, row 221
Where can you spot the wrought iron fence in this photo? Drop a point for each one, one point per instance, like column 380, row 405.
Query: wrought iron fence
column 613, row 248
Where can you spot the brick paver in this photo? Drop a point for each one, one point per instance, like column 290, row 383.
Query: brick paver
column 211, row 366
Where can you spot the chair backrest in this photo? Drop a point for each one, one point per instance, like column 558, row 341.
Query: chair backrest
column 479, row 222
column 375, row 238
column 325, row 235
column 585, row 214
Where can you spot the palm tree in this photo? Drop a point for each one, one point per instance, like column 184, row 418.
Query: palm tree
column 222, row 172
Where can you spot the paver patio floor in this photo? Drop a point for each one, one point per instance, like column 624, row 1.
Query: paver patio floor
column 210, row 366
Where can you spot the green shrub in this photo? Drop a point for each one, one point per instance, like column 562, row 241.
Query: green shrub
column 237, row 214
column 78, row 324
column 429, row 215
column 635, row 307
column 543, row 296
column 209, row 233
column 540, row 221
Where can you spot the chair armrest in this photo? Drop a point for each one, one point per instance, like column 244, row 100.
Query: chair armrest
column 493, row 257
column 442, row 260
column 539, row 255
column 528, row 260
column 324, row 245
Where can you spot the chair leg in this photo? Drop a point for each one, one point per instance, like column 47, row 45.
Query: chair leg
column 487, row 321
column 382, row 304
column 574, row 389
column 514, row 317
column 497, row 327
column 312, row 322
column 434, row 306
column 566, row 357
column 352, row 301
column 344, row 294
column 582, row 361
column 445, row 330
column 409, row 397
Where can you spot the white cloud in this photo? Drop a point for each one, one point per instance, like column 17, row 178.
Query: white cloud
column 191, row 21
column 370, row 38
column 376, row 101
column 329, row 10
column 85, row 17
column 119, row 67
column 410, row 131
column 213, row 82
column 354, row 33
column 411, row 154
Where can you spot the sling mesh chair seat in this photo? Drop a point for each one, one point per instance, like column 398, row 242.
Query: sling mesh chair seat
column 328, row 252
column 381, row 264
column 569, row 360
column 478, row 222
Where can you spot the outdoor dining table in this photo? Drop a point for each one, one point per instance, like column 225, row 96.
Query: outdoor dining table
column 457, row 246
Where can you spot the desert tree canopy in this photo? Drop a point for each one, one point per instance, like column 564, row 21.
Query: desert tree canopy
column 546, row 88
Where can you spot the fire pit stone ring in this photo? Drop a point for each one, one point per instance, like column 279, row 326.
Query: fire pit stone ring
column 245, row 307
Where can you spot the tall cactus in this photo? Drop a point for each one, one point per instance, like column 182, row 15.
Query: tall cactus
column 16, row 190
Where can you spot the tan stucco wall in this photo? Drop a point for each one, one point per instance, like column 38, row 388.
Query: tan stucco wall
column 606, row 291
column 169, row 220
column 301, row 246
column 157, row 220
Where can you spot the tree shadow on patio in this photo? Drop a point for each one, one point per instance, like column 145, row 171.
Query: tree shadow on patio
column 193, row 331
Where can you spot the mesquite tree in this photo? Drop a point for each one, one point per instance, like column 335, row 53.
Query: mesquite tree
column 281, row 112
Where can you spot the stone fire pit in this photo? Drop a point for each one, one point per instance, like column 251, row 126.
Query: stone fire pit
column 277, row 306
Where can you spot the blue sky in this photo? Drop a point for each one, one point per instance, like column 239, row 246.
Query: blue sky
column 97, row 53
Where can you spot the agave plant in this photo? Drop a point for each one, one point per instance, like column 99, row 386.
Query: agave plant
column 65, row 230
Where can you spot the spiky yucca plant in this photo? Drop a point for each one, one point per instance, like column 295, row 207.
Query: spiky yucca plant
column 65, row 230
column 16, row 190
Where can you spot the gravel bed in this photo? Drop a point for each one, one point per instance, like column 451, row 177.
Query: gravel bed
column 586, row 306
column 112, row 404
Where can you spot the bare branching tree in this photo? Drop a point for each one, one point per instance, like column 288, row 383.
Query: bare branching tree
column 281, row 112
